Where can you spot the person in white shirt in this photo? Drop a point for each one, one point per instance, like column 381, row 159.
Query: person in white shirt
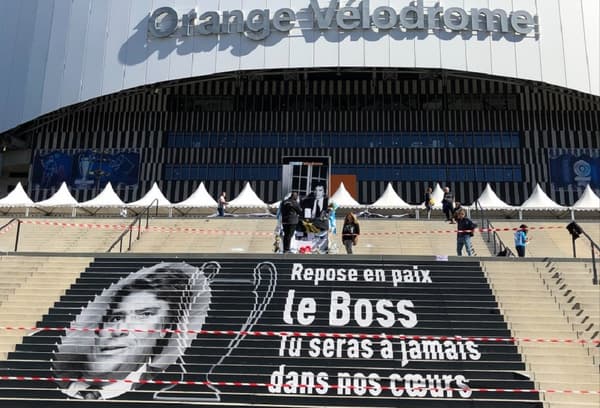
column 222, row 204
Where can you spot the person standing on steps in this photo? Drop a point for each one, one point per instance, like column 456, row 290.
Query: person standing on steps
column 350, row 232
column 448, row 203
column 429, row 201
column 222, row 204
column 521, row 240
column 290, row 216
column 465, row 230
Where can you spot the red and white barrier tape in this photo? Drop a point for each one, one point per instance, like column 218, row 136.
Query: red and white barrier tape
column 76, row 225
column 285, row 385
column 8, row 228
column 261, row 233
column 381, row 336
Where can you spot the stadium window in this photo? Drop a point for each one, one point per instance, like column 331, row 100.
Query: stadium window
column 455, row 140
column 316, row 140
column 470, row 173
column 176, row 172
column 479, row 174
column 185, row 172
column 517, row 174
column 496, row 140
column 348, row 140
column 245, row 139
column 168, row 172
column 454, row 174
column 515, row 140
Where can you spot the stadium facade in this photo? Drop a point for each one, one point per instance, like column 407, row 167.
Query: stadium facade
column 461, row 92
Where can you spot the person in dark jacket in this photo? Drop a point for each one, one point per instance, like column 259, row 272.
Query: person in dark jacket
column 457, row 207
column 465, row 229
column 448, row 204
column 290, row 212
column 350, row 232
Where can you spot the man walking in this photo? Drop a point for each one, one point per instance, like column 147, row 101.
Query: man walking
column 222, row 204
column 465, row 231
column 447, row 204
column 290, row 212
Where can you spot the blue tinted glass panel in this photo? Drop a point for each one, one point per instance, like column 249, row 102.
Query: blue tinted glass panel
column 517, row 176
column 168, row 172
column 347, row 140
column 515, row 140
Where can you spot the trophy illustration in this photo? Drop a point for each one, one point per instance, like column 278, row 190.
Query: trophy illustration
column 85, row 162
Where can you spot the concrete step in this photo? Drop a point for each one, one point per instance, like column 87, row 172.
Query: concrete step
column 573, row 399
column 565, row 367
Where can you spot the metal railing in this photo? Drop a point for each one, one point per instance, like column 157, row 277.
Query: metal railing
column 8, row 224
column 129, row 231
column 493, row 238
column 576, row 231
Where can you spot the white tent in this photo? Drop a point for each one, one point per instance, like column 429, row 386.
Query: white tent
column 343, row 198
column 247, row 202
column 541, row 205
column 389, row 200
column 539, row 200
column 154, row 193
column 588, row 201
column 200, row 202
column 17, row 201
column 61, row 202
column 438, row 196
column 488, row 200
column 106, row 202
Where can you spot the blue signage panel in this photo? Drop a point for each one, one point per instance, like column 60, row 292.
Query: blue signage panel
column 86, row 169
column 574, row 168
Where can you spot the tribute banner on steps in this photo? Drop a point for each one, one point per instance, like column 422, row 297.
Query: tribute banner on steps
column 271, row 333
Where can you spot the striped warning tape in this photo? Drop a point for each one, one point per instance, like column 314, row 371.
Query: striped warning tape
column 381, row 336
column 8, row 228
column 285, row 385
column 262, row 233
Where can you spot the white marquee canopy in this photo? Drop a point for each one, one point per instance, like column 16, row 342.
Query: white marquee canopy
column 247, row 202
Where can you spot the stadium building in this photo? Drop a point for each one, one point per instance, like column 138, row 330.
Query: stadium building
column 461, row 92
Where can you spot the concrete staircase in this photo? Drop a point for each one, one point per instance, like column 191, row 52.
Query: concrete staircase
column 454, row 300
column 239, row 235
column 533, row 311
column 551, row 241
column 63, row 235
column 29, row 286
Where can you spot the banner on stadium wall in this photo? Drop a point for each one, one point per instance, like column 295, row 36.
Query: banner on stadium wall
column 184, row 332
column 86, row 169
column 574, row 169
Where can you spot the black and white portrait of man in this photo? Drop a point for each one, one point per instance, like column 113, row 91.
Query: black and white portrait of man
column 315, row 204
column 141, row 332
column 165, row 332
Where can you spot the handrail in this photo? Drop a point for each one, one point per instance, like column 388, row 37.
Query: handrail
column 593, row 245
column 138, row 220
column 492, row 235
column 18, row 230
column 498, row 243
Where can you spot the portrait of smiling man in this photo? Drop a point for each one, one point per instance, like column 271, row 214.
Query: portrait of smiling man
column 143, row 329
